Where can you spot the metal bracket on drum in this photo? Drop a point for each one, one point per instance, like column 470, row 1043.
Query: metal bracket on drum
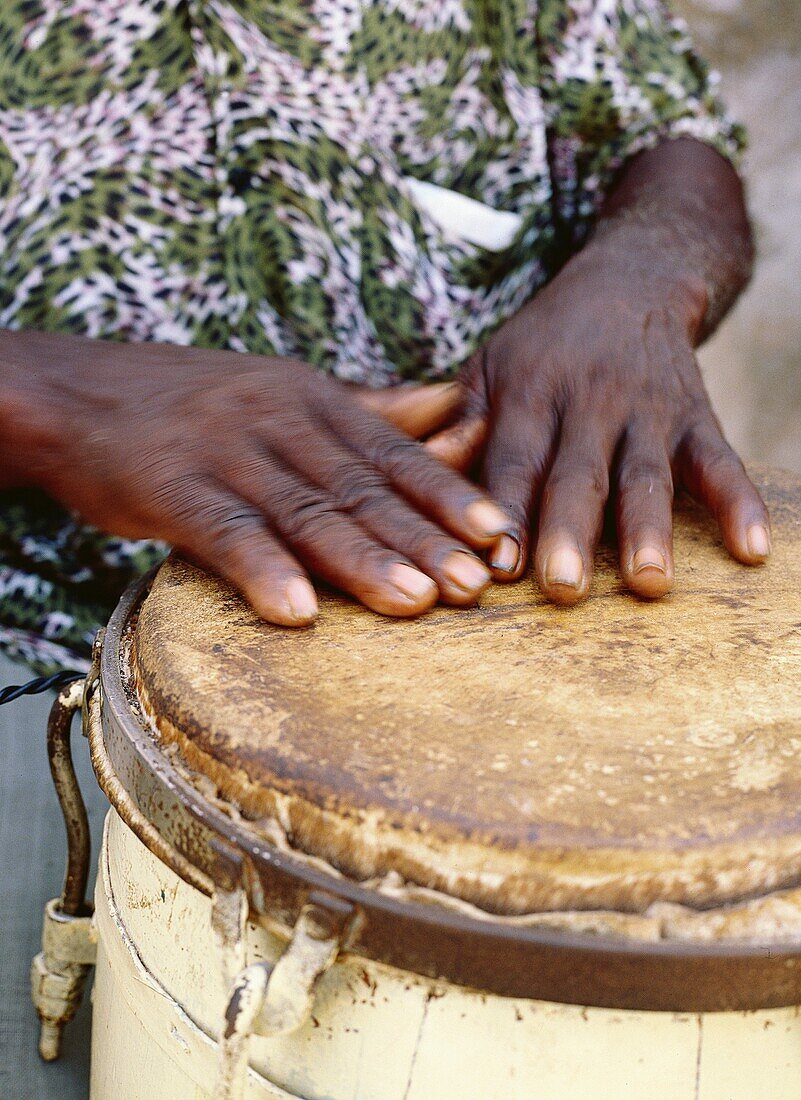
column 276, row 999
column 230, row 908
column 58, row 972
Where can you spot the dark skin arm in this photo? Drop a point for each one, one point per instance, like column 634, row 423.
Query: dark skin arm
column 592, row 394
column 262, row 469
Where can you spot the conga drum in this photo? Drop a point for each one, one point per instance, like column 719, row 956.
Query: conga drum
column 510, row 852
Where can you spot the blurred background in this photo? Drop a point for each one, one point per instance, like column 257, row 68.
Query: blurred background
column 753, row 364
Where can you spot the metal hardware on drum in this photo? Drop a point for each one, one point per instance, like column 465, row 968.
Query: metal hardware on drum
column 59, row 971
column 276, row 1000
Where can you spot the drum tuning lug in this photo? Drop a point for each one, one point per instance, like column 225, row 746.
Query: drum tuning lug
column 276, row 999
column 68, row 791
column 58, row 973
column 92, row 682
column 97, row 651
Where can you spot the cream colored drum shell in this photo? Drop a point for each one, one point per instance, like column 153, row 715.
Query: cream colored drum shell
column 379, row 1033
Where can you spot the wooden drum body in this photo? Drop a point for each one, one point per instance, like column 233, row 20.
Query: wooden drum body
column 507, row 852
column 380, row 1033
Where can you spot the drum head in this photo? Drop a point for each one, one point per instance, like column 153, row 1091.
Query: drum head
column 517, row 756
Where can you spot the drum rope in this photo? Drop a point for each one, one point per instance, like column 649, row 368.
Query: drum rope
column 42, row 683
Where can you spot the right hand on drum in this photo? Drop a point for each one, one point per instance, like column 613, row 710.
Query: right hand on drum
column 260, row 468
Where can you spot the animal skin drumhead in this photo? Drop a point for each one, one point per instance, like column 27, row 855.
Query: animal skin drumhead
column 514, row 755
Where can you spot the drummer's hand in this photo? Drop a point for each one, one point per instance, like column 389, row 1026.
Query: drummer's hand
column 593, row 390
column 259, row 468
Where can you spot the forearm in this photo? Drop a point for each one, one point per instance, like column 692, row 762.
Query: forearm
column 58, row 389
column 26, row 421
column 677, row 216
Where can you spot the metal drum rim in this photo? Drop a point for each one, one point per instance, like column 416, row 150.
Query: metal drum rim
column 533, row 963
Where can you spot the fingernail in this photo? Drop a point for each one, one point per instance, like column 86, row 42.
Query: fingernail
column 648, row 558
column 758, row 541
column 411, row 582
column 466, row 571
column 487, row 517
column 301, row 598
column 564, row 566
column 505, row 554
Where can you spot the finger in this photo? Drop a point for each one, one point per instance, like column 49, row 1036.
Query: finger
column 330, row 544
column 416, row 409
column 644, row 512
column 228, row 536
column 517, row 457
column 572, row 506
column 460, row 445
column 361, row 492
column 436, row 491
column 714, row 475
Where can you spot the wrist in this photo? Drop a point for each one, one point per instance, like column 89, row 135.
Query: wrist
column 642, row 261
column 682, row 204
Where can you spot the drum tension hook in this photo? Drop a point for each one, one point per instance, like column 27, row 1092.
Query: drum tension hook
column 274, row 999
column 58, row 972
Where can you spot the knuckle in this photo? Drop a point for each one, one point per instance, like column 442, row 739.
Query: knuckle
column 520, row 523
column 363, row 493
column 308, row 516
column 181, row 496
column 700, row 431
column 719, row 462
column 512, row 484
column 645, row 471
column 431, row 485
column 397, row 524
column 396, row 458
column 434, row 545
column 579, row 477
column 421, row 542
column 231, row 534
column 519, row 461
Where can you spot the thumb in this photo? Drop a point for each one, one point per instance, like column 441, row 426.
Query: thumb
column 416, row 408
column 460, row 445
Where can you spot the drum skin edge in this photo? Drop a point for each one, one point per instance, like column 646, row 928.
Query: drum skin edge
column 533, row 963
column 388, row 849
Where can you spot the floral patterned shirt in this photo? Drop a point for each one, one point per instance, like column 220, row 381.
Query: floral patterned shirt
column 241, row 174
